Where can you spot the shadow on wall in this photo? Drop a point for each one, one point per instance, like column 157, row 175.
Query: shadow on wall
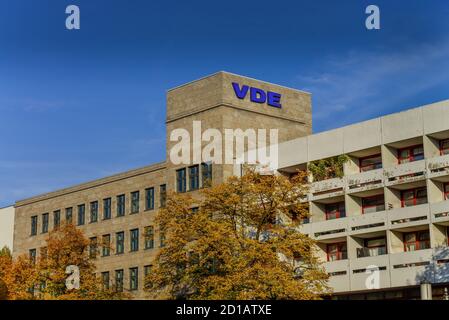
column 437, row 271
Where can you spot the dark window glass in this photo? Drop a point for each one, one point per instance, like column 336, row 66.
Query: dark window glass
column 194, row 177
column 335, row 210
column 444, row 147
column 106, row 239
column 162, row 195
column 411, row 154
column 93, row 211
column 147, row 270
column 134, row 244
column 120, row 242
column 370, row 163
column 45, row 217
column 105, row 280
column 414, row 197
column 135, row 196
column 206, row 173
column 337, row 251
column 69, row 215
column 93, row 244
column 181, row 180
column 56, row 219
column 81, row 214
column 149, row 237
column 373, row 204
column 34, row 225
column 133, row 279
column 32, row 254
column 121, row 205
column 119, row 280
column 418, row 240
column 162, row 239
column 107, row 208
column 149, row 199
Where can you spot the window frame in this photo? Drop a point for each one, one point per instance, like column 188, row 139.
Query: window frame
column 206, row 174
column 340, row 254
column 181, row 180
column 411, row 156
column 415, row 197
column 107, row 208
column 134, row 240
column 34, row 225
column 162, row 195
column 441, row 147
column 338, row 214
column 364, row 206
column 120, row 244
column 149, row 198
column 81, row 214
column 93, row 211
column 149, row 237
column 370, row 157
column 69, row 213
column 119, row 285
column 445, row 193
column 106, row 249
column 106, row 284
column 121, row 205
column 194, row 177
column 45, row 222
column 56, row 219
column 134, row 277
column 417, row 241
column 135, row 202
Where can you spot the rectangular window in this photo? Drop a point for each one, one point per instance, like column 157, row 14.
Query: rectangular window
column 149, row 237
column 162, row 195
column 106, row 249
column 135, row 197
column 149, row 199
column 69, row 215
column 119, row 280
column 105, row 280
column 93, row 211
column 337, row 251
column 147, row 270
column 34, row 225
column 413, row 197
column 373, row 204
column 416, row 240
column 134, row 243
column 335, row 210
column 93, row 244
column 107, row 209
column 32, row 254
column 206, row 174
column 446, row 191
column 133, row 279
column 121, row 205
column 410, row 154
column 194, row 177
column 45, row 217
column 181, row 180
column 444, row 147
column 373, row 247
column 56, row 219
column 161, row 239
column 370, row 163
column 120, row 242
column 81, row 214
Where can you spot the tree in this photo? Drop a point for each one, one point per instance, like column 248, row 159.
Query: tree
column 241, row 243
column 328, row 168
column 46, row 277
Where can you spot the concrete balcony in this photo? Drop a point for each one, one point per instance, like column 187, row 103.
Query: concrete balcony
column 305, row 228
column 406, row 172
column 360, row 276
column 410, row 268
column 439, row 212
column 438, row 166
column 338, row 275
column 330, row 229
column 364, row 181
column 327, row 189
column 369, row 222
column 409, row 216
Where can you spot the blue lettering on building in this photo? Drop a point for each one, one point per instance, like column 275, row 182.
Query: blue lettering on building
column 257, row 95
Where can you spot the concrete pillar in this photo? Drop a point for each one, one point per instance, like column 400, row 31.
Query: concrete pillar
column 426, row 291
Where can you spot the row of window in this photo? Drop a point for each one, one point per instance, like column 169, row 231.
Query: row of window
column 412, row 241
column 119, row 278
column 405, row 155
column 193, row 175
column 107, row 209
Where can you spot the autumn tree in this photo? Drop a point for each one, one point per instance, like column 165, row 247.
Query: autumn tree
column 46, row 277
column 241, row 241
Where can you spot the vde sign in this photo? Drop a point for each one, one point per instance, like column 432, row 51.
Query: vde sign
column 257, row 95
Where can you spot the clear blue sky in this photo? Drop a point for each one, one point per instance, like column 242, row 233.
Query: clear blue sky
column 79, row 105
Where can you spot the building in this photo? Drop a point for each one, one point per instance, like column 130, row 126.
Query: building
column 388, row 212
column 6, row 227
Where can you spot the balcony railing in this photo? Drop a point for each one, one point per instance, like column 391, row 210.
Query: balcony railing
column 371, row 252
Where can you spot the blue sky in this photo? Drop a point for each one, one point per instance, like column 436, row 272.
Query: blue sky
column 79, row 105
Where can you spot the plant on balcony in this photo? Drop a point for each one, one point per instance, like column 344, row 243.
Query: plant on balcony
column 328, row 168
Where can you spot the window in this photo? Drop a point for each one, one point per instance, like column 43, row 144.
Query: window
column 34, row 225
column 194, row 177
column 181, row 180
column 372, row 247
column 105, row 280
column 45, row 217
column 106, row 249
column 69, row 215
column 147, row 270
column 56, row 219
column 162, row 239
column 119, row 280
column 149, row 199
column 444, row 147
column 370, row 163
column 32, row 254
column 410, row 154
column 134, row 240
column 206, row 174
column 133, row 279
column 337, row 251
column 413, row 197
column 446, row 191
column 93, row 211
column 135, row 201
column 373, row 204
column 120, row 242
column 416, row 240
column 149, row 237
column 335, row 210
column 107, row 209
column 162, row 195
column 121, row 205
column 93, row 247
column 81, row 214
